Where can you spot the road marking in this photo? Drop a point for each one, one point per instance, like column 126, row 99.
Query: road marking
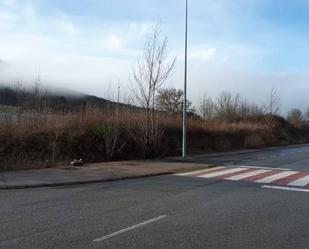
column 300, row 182
column 276, row 177
column 246, row 175
column 227, row 164
column 261, row 158
column 129, row 229
column 257, row 167
column 286, row 188
column 224, row 172
column 201, row 171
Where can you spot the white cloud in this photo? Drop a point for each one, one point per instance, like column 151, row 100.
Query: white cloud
column 113, row 43
column 8, row 2
column 67, row 27
column 203, row 54
column 6, row 16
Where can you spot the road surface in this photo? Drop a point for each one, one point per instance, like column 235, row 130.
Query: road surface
column 223, row 208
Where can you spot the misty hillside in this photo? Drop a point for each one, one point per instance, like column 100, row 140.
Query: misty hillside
column 53, row 101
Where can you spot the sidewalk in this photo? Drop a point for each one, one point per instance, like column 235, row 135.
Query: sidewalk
column 93, row 173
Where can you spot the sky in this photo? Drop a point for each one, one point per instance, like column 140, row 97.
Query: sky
column 89, row 46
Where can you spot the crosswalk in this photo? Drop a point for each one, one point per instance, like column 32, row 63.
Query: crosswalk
column 258, row 175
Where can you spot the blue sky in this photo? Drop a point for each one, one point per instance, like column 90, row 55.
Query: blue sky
column 240, row 45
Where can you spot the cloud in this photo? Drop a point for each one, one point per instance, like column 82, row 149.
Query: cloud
column 203, row 54
column 8, row 2
column 113, row 43
column 67, row 27
column 8, row 16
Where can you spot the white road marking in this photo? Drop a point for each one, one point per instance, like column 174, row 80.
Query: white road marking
column 275, row 177
column 261, row 158
column 227, row 164
column 300, row 182
column 245, row 175
column 199, row 171
column 286, row 188
column 257, row 167
column 224, row 172
column 129, row 229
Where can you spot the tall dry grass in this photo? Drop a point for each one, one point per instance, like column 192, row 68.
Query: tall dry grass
column 33, row 139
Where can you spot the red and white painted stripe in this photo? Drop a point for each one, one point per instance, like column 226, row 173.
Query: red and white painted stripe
column 257, row 175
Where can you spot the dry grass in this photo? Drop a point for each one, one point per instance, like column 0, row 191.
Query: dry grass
column 35, row 139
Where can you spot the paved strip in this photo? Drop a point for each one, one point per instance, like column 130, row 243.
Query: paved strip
column 300, row 182
column 275, row 177
column 224, row 172
column 246, row 175
column 129, row 229
column 286, row 188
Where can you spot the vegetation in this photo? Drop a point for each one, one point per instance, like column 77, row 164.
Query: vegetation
column 39, row 128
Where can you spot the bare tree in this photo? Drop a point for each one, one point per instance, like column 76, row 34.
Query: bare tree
column 274, row 102
column 151, row 72
column 306, row 115
column 207, row 107
column 246, row 110
column 227, row 106
column 295, row 117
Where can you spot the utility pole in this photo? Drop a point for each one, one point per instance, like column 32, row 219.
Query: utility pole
column 118, row 104
column 184, row 115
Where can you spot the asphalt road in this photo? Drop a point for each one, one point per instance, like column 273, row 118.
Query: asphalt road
column 296, row 158
column 163, row 212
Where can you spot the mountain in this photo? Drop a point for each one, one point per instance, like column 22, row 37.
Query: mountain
column 54, row 101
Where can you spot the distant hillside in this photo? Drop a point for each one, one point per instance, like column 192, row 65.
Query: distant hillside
column 52, row 101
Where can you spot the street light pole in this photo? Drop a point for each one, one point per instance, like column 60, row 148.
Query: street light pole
column 184, row 115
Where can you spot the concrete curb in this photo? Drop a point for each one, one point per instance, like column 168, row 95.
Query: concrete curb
column 73, row 183
column 61, row 184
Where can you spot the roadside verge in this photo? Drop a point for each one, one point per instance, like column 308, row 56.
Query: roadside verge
column 94, row 173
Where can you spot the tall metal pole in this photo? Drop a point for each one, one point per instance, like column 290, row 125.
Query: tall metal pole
column 184, row 115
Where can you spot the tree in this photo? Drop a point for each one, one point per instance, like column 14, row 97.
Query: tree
column 295, row 117
column 274, row 102
column 171, row 100
column 227, row 106
column 207, row 108
column 151, row 72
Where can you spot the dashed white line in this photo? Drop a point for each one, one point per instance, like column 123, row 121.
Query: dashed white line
column 286, row 188
column 129, row 229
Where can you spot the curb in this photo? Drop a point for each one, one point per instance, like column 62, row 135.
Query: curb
column 61, row 184
column 73, row 183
